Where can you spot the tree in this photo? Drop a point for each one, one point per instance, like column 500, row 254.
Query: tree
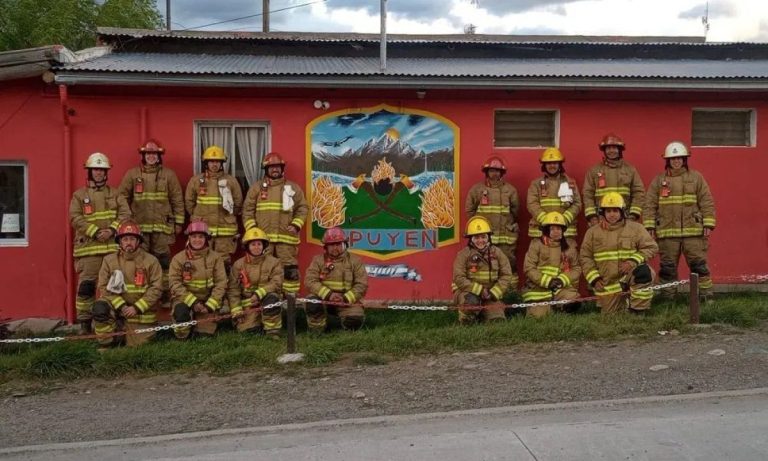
column 72, row 23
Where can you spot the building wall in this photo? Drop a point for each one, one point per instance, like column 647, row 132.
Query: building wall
column 116, row 121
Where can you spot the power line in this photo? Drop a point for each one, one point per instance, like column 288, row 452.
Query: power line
column 255, row 15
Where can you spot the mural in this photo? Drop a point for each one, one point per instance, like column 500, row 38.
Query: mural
column 388, row 176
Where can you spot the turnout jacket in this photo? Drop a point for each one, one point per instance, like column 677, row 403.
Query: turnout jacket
column 618, row 176
column 679, row 204
column 543, row 198
column 141, row 291
column 345, row 275
column 202, row 201
column 92, row 209
column 263, row 208
column 253, row 276
column 155, row 196
column 474, row 270
column 499, row 204
column 544, row 262
column 198, row 276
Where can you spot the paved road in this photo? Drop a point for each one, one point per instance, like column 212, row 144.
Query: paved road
column 728, row 426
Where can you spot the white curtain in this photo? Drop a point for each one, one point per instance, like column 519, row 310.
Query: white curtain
column 214, row 136
column 251, row 144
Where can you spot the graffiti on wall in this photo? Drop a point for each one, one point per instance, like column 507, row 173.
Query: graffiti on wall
column 388, row 176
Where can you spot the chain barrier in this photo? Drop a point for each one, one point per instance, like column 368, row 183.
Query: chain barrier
column 762, row 278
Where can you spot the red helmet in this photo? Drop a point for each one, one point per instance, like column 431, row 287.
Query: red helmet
column 197, row 227
column 494, row 162
column 128, row 227
column 334, row 235
column 151, row 146
column 273, row 158
column 611, row 140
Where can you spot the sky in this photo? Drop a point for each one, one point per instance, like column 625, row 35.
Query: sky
column 729, row 20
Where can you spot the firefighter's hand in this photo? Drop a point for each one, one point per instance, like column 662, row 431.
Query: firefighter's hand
column 336, row 298
column 200, row 308
column 104, row 235
column 652, row 232
column 177, row 229
column 599, row 285
column 485, row 295
column 254, row 300
column 625, row 267
column 555, row 284
column 293, row 229
column 707, row 232
column 129, row 311
column 237, row 315
column 593, row 220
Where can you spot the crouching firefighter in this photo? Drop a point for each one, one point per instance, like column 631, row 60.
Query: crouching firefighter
column 552, row 267
column 339, row 277
column 614, row 257
column 255, row 281
column 481, row 275
column 130, row 283
column 198, row 282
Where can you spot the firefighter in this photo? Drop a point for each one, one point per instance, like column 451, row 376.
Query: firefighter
column 613, row 174
column 555, row 191
column 614, row 257
column 94, row 212
column 198, row 282
column 337, row 276
column 481, row 275
column 552, row 267
column 130, row 285
column 215, row 197
column 680, row 214
column 497, row 201
column 157, row 203
column 278, row 207
column 256, row 281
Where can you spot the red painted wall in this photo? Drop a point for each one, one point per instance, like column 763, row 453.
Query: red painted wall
column 110, row 120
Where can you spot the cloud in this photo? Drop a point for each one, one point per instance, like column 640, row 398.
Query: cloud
column 504, row 7
column 412, row 9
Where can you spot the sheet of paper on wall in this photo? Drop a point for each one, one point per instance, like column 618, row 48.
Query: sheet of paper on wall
column 10, row 223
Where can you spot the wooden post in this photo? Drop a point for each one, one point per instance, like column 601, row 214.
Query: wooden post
column 694, row 298
column 291, row 320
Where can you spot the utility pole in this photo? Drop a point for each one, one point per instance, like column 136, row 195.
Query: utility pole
column 383, row 51
column 168, row 15
column 265, row 15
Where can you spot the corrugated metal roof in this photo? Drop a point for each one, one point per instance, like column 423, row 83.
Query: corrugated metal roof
column 196, row 64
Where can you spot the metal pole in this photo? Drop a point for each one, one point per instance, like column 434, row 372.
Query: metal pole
column 265, row 16
column 383, row 40
column 291, row 320
column 168, row 15
column 694, row 298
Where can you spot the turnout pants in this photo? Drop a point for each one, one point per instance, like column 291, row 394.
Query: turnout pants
column 694, row 250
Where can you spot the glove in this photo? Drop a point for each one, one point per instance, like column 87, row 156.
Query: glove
column 555, row 284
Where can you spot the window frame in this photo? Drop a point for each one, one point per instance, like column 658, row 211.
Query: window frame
column 19, row 242
column 752, row 126
column 232, row 125
column 555, row 128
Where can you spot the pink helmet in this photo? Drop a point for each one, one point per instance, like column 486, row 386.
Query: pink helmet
column 197, row 227
column 334, row 235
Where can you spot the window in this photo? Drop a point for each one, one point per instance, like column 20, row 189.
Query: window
column 244, row 143
column 525, row 128
column 723, row 127
column 13, row 204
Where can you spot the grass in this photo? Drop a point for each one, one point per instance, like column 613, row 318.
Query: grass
column 387, row 335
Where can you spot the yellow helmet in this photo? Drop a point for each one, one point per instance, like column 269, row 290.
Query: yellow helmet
column 254, row 233
column 477, row 225
column 554, row 218
column 676, row 149
column 551, row 154
column 214, row 153
column 98, row 160
column 612, row 200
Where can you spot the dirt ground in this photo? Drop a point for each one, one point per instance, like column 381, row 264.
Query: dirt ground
column 713, row 359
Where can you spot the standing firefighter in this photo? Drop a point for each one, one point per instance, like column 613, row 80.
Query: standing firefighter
column 157, row 203
column 278, row 207
column 481, row 275
column 130, row 285
column 552, row 267
column 198, row 282
column 555, row 191
column 496, row 200
column 94, row 212
column 215, row 197
column 613, row 174
column 255, row 281
column 680, row 213
column 614, row 257
column 337, row 276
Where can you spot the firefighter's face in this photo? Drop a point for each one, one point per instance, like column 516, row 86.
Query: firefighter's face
column 129, row 243
column 613, row 215
column 494, row 174
column 256, row 247
column 214, row 166
column 676, row 163
column 612, row 152
column 275, row 171
column 552, row 168
column 555, row 233
column 151, row 158
column 197, row 241
column 480, row 241
column 335, row 250
column 99, row 174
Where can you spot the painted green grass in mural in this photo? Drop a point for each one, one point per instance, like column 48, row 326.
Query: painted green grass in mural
column 387, row 335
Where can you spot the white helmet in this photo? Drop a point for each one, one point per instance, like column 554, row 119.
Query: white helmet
column 675, row 149
column 97, row 160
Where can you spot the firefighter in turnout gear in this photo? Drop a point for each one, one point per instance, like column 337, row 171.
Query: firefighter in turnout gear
column 94, row 212
column 337, row 276
column 255, row 281
column 157, row 203
column 278, row 207
column 614, row 257
column 215, row 197
column 555, row 191
column 198, row 282
column 481, row 275
column 680, row 213
column 552, row 267
column 497, row 201
column 130, row 285
column 613, row 174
